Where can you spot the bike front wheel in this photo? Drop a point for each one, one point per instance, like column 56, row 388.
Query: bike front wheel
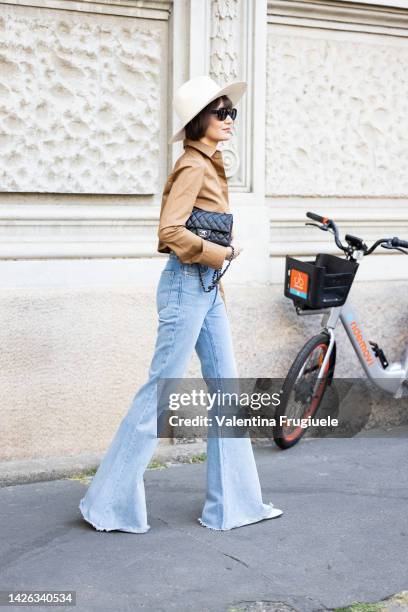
column 302, row 391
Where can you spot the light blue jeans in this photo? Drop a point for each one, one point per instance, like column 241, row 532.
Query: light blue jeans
column 189, row 319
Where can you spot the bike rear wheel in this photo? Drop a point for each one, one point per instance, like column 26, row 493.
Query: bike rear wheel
column 302, row 391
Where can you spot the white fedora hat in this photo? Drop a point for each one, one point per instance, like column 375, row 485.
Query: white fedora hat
column 191, row 97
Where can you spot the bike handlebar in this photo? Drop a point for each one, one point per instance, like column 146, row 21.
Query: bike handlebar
column 396, row 242
column 317, row 218
column 353, row 242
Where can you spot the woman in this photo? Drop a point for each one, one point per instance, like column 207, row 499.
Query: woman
column 189, row 318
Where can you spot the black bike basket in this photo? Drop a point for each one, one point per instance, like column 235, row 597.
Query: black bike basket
column 322, row 283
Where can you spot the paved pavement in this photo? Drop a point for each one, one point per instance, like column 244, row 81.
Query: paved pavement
column 343, row 536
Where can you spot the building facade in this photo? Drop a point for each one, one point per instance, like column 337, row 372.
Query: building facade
column 85, row 116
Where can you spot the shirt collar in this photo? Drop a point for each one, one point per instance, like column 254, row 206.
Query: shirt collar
column 201, row 146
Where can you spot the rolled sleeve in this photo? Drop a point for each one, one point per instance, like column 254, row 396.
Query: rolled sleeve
column 213, row 254
column 181, row 199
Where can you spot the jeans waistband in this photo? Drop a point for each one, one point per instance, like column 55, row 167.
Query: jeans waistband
column 189, row 268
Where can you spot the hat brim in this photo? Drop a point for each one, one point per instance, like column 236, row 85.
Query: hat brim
column 234, row 91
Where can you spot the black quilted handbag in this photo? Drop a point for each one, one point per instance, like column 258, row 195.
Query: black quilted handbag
column 215, row 227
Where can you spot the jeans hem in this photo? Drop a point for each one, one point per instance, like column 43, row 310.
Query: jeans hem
column 100, row 528
column 247, row 522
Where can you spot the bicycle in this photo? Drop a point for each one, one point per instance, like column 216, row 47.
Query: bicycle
column 322, row 287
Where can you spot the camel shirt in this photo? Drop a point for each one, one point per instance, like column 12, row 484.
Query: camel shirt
column 197, row 179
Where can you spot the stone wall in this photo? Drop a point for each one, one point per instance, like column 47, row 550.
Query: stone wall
column 81, row 97
column 337, row 114
column 85, row 118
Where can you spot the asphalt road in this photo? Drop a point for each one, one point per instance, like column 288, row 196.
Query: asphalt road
column 343, row 536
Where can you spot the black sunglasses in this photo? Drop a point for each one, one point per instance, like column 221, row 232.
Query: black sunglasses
column 222, row 113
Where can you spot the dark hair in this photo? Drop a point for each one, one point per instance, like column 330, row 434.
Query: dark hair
column 197, row 126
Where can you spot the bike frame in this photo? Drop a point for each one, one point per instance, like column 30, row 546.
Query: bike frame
column 392, row 380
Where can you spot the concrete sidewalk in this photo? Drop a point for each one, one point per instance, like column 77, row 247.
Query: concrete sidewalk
column 343, row 536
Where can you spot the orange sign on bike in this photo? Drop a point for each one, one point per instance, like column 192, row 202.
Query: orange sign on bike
column 298, row 284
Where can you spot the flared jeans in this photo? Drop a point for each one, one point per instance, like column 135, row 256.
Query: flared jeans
column 189, row 318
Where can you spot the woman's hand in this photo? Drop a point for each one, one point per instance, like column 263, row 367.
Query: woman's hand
column 237, row 251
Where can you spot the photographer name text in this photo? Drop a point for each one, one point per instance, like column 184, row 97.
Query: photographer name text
column 252, row 421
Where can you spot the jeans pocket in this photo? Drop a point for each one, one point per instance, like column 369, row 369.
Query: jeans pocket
column 164, row 289
column 195, row 269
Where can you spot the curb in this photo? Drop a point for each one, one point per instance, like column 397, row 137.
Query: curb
column 55, row 468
